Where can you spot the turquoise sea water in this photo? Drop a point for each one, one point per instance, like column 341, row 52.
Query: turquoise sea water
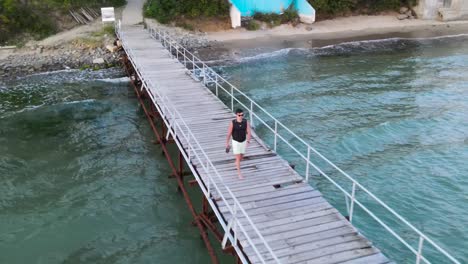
column 391, row 113
column 81, row 181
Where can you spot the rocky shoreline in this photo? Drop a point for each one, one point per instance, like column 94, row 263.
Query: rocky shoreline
column 36, row 59
column 188, row 39
column 73, row 55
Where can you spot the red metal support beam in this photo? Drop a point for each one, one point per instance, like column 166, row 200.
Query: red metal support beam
column 160, row 137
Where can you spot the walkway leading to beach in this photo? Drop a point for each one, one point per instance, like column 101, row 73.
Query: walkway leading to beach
column 133, row 12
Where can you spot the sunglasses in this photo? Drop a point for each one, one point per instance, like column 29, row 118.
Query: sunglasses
column 240, row 115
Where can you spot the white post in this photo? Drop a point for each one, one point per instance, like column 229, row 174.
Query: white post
column 230, row 223
column 351, row 208
column 170, row 49
column 185, row 59
column 204, row 74
column 208, row 176
column 308, row 164
column 347, row 203
column 234, row 229
column 232, row 98
column 216, row 82
column 420, row 247
column 189, row 149
column 276, row 135
column 251, row 114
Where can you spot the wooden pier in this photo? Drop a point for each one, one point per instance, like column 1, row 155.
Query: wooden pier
column 271, row 216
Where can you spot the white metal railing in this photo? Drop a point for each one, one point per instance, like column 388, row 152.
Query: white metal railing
column 200, row 70
column 178, row 129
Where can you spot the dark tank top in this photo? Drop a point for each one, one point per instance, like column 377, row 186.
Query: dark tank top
column 239, row 130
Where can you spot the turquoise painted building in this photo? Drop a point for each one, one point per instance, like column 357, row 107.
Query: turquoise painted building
column 249, row 7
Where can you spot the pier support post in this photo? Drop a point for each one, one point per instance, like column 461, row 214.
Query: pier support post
column 160, row 137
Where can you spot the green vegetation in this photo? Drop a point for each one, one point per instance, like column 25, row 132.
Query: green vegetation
column 252, row 25
column 166, row 11
column 273, row 20
column 38, row 18
column 327, row 8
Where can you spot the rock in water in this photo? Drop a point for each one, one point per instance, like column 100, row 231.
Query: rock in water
column 98, row 61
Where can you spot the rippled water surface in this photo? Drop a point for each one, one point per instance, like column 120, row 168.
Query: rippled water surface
column 393, row 114
column 80, row 180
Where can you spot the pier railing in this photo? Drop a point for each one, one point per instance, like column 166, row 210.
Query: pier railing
column 209, row 77
column 178, row 129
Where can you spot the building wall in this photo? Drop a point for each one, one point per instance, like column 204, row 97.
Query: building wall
column 445, row 10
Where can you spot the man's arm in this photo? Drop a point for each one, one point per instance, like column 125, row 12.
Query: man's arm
column 228, row 138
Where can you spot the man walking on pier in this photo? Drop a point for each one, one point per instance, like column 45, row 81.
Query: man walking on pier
column 239, row 129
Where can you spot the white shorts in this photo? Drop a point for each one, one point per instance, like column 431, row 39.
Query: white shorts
column 238, row 147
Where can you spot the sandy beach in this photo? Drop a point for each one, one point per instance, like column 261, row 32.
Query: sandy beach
column 241, row 42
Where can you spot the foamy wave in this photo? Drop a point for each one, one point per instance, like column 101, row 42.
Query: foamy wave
column 387, row 44
column 53, row 72
column 277, row 53
column 80, row 101
column 115, row 80
column 390, row 40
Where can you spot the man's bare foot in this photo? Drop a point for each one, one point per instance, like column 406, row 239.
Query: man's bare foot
column 241, row 177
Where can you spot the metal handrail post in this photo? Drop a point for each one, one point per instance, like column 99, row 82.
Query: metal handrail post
column 308, row 165
column 420, row 247
column 252, row 124
column 232, row 98
column 276, row 135
column 204, row 74
column 170, row 49
column 216, row 84
column 351, row 207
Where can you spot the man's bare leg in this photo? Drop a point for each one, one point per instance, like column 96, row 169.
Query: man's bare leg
column 238, row 160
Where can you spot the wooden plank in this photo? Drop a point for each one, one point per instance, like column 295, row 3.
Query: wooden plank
column 298, row 232
column 378, row 258
column 330, row 254
column 287, row 227
column 282, row 193
column 314, row 245
column 287, row 212
column 290, row 243
column 289, row 204
column 343, row 256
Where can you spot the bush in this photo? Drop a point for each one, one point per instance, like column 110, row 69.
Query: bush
column 36, row 18
column 16, row 18
column 166, row 11
column 273, row 19
column 65, row 4
column 334, row 7
column 252, row 25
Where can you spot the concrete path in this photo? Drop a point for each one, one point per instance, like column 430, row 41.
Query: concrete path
column 133, row 12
